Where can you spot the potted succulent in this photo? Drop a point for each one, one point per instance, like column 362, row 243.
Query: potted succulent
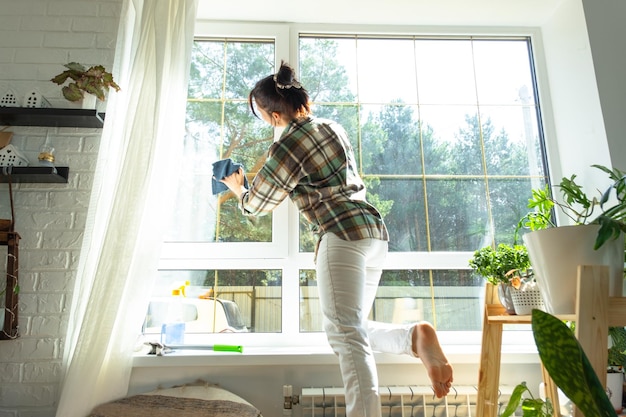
column 94, row 80
column 504, row 266
column 594, row 238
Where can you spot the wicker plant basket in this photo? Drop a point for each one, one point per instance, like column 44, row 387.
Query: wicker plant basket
column 527, row 298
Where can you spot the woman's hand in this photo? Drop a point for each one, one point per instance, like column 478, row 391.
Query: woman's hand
column 235, row 182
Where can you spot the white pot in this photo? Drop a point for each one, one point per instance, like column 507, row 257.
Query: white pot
column 614, row 389
column 89, row 101
column 555, row 254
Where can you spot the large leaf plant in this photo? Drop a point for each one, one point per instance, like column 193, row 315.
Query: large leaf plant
column 568, row 366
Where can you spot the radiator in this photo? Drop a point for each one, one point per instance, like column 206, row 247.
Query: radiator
column 399, row 401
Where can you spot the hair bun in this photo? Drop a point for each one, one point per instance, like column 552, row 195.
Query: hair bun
column 284, row 78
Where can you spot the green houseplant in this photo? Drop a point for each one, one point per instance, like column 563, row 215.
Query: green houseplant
column 594, row 238
column 498, row 265
column 569, row 368
column 617, row 349
column 531, row 406
column 581, row 208
column 504, row 266
column 94, row 80
column 568, row 365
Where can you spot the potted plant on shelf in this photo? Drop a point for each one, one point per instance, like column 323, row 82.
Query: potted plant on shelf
column 505, row 266
column 95, row 81
column 594, row 238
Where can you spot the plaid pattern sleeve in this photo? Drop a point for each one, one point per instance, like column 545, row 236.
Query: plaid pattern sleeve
column 313, row 163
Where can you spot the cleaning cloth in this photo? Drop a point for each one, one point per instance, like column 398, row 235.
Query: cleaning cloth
column 221, row 169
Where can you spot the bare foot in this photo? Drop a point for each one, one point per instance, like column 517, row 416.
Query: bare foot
column 426, row 347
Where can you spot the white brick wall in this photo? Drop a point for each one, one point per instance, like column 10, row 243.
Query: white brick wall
column 36, row 38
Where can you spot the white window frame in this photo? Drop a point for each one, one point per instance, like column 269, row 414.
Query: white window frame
column 283, row 252
column 277, row 248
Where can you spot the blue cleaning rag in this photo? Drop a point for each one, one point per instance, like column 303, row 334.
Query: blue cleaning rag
column 221, row 169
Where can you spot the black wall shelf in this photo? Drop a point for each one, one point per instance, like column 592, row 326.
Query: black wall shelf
column 34, row 174
column 27, row 116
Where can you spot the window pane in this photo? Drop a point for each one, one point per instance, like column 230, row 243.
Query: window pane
column 328, row 69
column 310, row 312
column 386, row 71
column 476, row 121
column 401, row 203
column 453, row 303
column 457, row 301
column 220, row 125
column 218, row 301
column 511, row 140
column 445, row 71
column 407, row 296
column 508, row 204
column 503, row 68
column 452, row 140
column 457, row 214
column 390, row 140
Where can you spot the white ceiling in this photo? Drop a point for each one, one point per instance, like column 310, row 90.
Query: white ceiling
column 399, row 12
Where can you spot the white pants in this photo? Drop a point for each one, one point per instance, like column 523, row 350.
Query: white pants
column 348, row 273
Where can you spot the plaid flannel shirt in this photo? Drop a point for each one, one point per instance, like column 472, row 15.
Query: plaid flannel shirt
column 313, row 163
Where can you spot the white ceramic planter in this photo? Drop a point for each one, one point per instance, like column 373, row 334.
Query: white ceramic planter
column 555, row 254
column 614, row 389
column 89, row 102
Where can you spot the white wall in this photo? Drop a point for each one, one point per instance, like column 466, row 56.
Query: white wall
column 576, row 136
column 37, row 36
column 605, row 25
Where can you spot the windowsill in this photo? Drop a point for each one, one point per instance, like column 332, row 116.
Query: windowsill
column 272, row 356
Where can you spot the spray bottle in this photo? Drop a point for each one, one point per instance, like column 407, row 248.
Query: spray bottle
column 173, row 329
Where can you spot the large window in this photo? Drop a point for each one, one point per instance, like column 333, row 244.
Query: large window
column 448, row 139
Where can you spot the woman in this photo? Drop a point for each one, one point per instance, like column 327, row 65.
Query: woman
column 313, row 163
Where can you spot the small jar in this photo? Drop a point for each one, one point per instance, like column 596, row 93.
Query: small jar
column 46, row 156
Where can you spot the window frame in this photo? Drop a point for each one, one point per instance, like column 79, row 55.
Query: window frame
column 277, row 248
column 283, row 252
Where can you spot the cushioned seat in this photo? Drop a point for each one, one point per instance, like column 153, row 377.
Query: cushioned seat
column 199, row 399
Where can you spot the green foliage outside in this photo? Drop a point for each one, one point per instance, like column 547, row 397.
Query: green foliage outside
column 432, row 191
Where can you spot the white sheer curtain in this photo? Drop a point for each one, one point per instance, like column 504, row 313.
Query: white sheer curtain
column 139, row 144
